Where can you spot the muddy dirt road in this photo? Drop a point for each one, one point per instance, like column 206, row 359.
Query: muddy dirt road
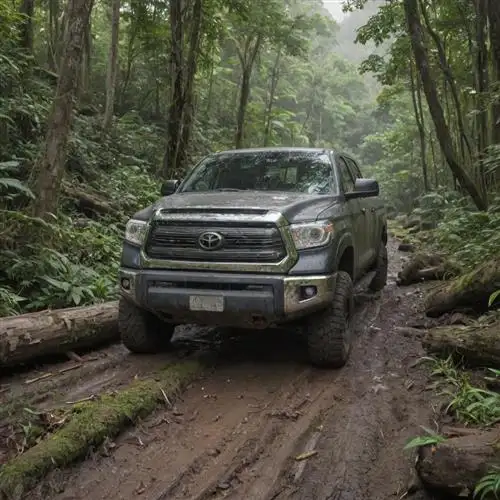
column 238, row 432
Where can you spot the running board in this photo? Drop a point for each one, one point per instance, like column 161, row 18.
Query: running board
column 362, row 284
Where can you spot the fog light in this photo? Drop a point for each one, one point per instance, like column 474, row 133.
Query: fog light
column 125, row 283
column 308, row 292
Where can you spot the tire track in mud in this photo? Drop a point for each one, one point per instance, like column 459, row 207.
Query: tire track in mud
column 236, row 433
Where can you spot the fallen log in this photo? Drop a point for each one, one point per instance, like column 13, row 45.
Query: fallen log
column 456, row 465
column 406, row 247
column 478, row 345
column 470, row 291
column 422, row 267
column 90, row 204
column 29, row 336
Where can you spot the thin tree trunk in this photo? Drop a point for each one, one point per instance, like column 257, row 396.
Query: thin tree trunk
column 27, row 11
column 210, row 88
column 481, row 73
column 482, row 86
column 494, row 35
column 176, row 107
column 192, row 65
column 85, row 66
column 247, row 60
column 112, row 66
column 442, row 131
column 50, row 167
column 419, row 119
column 450, row 79
column 53, row 36
column 272, row 91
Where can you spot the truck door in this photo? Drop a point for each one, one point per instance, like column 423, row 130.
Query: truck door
column 358, row 217
column 368, row 206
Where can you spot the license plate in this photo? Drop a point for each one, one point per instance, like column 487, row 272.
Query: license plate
column 208, row 303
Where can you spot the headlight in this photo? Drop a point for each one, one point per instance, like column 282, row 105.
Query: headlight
column 135, row 230
column 311, row 234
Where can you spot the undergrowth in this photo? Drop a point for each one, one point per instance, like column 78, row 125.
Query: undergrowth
column 462, row 233
column 470, row 404
column 73, row 259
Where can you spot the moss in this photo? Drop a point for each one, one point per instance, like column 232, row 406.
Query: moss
column 91, row 423
column 478, row 278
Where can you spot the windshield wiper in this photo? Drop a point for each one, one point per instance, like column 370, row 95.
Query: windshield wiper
column 229, row 189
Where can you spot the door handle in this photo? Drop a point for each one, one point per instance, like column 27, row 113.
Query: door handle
column 363, row 210
column 372, row 209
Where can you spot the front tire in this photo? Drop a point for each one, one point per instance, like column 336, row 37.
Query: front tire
column 141, row 331
column 379, row 281
column 329, row 333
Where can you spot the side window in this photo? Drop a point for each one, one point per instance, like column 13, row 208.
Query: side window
column 354, row 168
column 345, row 175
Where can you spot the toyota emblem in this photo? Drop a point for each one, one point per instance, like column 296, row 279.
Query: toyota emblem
column 210, row 241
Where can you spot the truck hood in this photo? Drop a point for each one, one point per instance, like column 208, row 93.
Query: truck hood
column 296, row 207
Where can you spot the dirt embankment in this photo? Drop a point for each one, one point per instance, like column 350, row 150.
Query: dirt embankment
column 264, row 424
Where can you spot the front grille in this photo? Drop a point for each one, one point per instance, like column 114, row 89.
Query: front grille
column 179, row 240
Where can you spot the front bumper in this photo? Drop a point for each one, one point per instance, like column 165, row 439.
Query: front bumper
column 250, row 300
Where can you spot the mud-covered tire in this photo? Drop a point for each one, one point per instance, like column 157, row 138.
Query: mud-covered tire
column 379, row 281
column 329, row 333
column 141, row 331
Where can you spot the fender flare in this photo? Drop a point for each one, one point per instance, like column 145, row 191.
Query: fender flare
column 345, row 242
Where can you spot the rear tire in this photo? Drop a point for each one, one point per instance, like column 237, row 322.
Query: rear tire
column 380, row 279
column 141, row 331
column 329, row 333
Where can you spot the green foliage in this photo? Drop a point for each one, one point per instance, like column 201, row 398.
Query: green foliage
column 430, row 439
column 469, row 236
column 468, row 404
column 488, row 486
column 493, row 297
column 73, row 260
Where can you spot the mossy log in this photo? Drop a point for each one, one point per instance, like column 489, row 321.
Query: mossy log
column 456, row 465
column 470, row 291
column 30, row 336
column 424, row 267
column 477, row 345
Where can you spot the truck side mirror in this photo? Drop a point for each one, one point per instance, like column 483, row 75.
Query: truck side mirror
column 364, row 188
column 169, row 187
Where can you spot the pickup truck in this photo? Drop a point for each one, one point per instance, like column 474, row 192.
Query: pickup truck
column 255, row 238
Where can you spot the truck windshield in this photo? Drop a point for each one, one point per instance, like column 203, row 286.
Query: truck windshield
column 298, row 171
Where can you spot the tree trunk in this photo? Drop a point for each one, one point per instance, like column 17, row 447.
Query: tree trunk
column 176, row 107
column 494, row 35
column 272, row 92
column 435, row 108
column 192, row 65
column 50, row 167
column 53, row 35
column 419, row 119
column 27, row 11
column 450, row 80
column 476, row 345
column 456, row 465
column 30, row 336
column 90, row 204
column 470, row 291
column 247, row 60
column 240, row 119
column 482, row 87
column 112, row 66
